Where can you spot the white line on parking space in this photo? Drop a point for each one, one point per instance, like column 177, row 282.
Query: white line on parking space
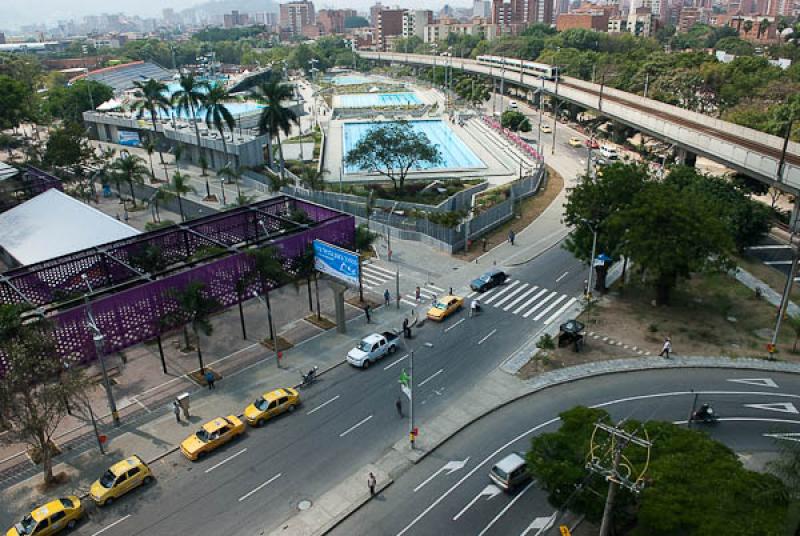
column 334, row 399
column 356, row 425
column 486, row 337
column 507, row 507
column 454, row 325
column 115, row 523
column 259, row 488
column 393, row 363
column 429, row 378
column 560, row 311
column 562, row 276
column 226, row 460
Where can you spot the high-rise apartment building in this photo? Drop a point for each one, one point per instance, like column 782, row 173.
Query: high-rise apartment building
column 482, row 9
column 415, row 21
column 234, row 19
column 507, row 13
column 373, row 14
column 295, row 15
column 332, row 20
column 390, row 24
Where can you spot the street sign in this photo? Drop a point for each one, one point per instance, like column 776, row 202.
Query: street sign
column 404, row 378
column 406, row 391
column 336, row 262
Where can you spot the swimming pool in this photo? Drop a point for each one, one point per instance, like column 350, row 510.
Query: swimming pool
column 455, row 153
column 236, row 108
column 350, row 80
column 377, row 100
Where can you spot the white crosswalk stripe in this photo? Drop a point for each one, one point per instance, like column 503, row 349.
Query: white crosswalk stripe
column 520, row 297
column 371, row 280
column 533, row 309
column 550, row 307
column 498, row 294
column 434, row 287
column 386, row 272
column 560, row 311
column 530, row 301
column 512, row 294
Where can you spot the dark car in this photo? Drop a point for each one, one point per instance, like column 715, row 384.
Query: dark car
column 490, row 279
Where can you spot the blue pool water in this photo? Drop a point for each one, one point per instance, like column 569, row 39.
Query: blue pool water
column 455, row 154
column 236, row 108
column 350, row 80
column 369, row 100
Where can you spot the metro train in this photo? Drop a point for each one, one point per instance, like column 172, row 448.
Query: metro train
column 539, row 70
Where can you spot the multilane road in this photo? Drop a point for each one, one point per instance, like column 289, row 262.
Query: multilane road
column 449, row 492
column 347, row 419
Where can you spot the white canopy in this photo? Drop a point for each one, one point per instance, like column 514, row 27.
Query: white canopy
column 112, row 104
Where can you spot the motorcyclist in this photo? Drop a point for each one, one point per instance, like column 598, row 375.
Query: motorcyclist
column 704, row 412
column 475, row 307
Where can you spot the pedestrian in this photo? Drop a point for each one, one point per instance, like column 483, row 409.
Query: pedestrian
column 406, row 329
column 210, row 380
column 176, row 409
column 417, row 294
column 483, row 241
column 666, row 349
column 372, row 482
column 511, row 236
column 366, row 312
column 398, row 404
column 386, row 297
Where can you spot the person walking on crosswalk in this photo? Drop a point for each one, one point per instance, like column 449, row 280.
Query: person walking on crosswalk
column 387, row 297
column 417, row 294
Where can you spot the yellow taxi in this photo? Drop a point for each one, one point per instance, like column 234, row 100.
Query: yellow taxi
column 271, row 404
column 575, row 141
column 444, row 307
column 51, row 518
column 546, row 129
column 212, row 435
column 119, row 479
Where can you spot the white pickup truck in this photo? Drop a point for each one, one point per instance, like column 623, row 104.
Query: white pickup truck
column 371, row 348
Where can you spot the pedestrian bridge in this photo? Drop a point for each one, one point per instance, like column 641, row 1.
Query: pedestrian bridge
column 748, row 151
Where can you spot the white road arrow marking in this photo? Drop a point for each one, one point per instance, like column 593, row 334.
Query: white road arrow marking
column 761, row 382
column 450, row 467
column 540, row 523
column 783, row 407
column 506, row 508
column 789, row 436
column 489, row 492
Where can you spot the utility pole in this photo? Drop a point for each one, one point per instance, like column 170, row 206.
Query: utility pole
column 411, row 433
column 397, row 286
column 607, row 461
column 646, row 83
column 555, row 118
column 98, row 339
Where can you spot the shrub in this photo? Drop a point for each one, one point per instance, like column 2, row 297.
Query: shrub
column 546, row 342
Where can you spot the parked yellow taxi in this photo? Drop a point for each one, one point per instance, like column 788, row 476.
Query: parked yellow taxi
column 575, row 141
column 271, row 404
column 212, row 435
column 119, row 479
column 51, row 518
column 444, row 307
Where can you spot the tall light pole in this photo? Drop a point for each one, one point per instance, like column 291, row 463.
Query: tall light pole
column 98, row 339
column 555, row 117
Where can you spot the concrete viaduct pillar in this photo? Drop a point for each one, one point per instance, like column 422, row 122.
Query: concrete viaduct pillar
column 685, row 158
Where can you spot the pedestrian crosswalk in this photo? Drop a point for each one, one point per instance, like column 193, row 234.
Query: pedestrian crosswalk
column 378, row 279
column 527, row 300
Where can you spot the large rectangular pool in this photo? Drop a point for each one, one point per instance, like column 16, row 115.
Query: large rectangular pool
column 350, row 80
column 455, row 153
column 376, row 100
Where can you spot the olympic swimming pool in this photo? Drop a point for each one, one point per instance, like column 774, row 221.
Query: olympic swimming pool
column 351, row 80
column 455, row 154
column 377, row 100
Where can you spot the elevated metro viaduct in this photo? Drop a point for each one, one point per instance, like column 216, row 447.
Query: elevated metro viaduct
column 762, row 156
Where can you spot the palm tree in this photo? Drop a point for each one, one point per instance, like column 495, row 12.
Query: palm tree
column 763, row 26
column 177, row 152
column 275, row 117
column 196, row 307
column 151, row 98
column 748, row 25
column 312, row 179
column 178, row 186
column 232, row 175
column 187, row 100
column 268, row 271
column 217, row 113
column 150, row 147
column 130, row 169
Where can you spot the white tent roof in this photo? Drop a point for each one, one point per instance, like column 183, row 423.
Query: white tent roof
column 54, row 224
column 6, row 171
column 111, row 104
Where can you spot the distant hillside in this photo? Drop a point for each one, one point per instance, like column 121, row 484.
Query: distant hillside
column 221, row 7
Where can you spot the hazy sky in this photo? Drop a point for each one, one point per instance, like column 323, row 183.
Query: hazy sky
column 14, row 13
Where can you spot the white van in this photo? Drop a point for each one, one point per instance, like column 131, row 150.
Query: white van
column 512, row 105
column 609, row 152
column 510, row 472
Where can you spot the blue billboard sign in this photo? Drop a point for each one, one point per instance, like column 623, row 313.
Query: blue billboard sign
column 336, row 262
column 129, row 138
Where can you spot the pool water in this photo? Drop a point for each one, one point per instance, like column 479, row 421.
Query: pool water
column 455, row 154
column 236, row 108
column 376, row 100
column 350, row 80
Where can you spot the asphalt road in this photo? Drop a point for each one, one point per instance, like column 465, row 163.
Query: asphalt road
column 431, row 500
column 347, row 419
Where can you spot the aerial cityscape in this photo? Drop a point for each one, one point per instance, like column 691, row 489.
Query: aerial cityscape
column 514, row 267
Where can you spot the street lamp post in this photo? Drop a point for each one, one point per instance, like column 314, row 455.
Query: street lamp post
column 222, row 187
column 98, row 339
column 555, row 117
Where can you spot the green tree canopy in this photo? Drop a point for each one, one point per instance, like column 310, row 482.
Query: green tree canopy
column 67, row 146
column 13, row 94
column 515, row 121
column 391, row 150
column 69, row 102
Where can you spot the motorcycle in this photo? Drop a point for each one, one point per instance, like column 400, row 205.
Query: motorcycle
column 704, row 415
column 310, row 377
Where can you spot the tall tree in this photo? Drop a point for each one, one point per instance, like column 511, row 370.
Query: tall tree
column 12, row 99
column 36, row 387
column 130, row 169
column 275, row 116
column 67, row 146
column 391, row 150
column 231, row 174
column 150, row 148
column 218, row 114
column 188, row 100
column 151, row 98
column 178, row 186
column 269, row 272
column 195, row 307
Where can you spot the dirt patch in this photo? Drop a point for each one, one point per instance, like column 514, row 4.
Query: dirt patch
column 355, row 302
column 321, row 322
column 35, row 454
column 710, row 315
column 59, row 479
column 283, row 344
column 200, row 379
column 526, row 212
